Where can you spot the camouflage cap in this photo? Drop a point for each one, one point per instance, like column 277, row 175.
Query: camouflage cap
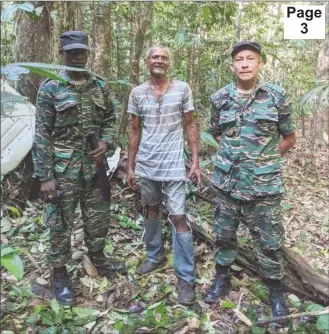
column 245, row 45
column 74, row 40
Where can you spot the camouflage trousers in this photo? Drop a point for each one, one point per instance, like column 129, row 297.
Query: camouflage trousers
column 59, row 217
column 263, row 219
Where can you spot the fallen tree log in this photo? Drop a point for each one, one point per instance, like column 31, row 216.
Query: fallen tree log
column 300, row 278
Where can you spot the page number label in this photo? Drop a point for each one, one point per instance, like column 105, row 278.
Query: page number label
column 304, row 22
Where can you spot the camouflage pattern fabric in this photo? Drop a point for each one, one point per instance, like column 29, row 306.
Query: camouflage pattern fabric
column 65, row 114
column 59, row 217
column 263, row 218
column 247, row 163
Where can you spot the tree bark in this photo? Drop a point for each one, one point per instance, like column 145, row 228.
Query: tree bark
column 321, row 116
column 33, row 42
column 141, row 23
column 101, row 30
column 68, row 17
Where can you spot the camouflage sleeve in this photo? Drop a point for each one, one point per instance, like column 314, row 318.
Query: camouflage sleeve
column 109, row 123
column 286, row 124
column 42, row 150
column 214, row 128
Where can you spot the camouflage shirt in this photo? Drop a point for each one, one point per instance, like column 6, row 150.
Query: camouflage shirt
column 65, row 113
column 247, row 163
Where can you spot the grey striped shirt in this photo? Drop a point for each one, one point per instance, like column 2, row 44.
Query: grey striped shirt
column 161, row 152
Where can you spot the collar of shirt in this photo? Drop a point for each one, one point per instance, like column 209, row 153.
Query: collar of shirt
column 64, row 75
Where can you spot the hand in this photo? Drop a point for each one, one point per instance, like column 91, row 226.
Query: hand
column 99, row 154
column 195, row 173
column 131, row 179
column 48, row 190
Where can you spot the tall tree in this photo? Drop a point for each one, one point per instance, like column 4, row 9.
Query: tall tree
column 33, row 42
column 101, row 35
column 321, row 116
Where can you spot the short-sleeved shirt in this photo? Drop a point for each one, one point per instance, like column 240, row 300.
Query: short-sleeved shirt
column 247, row 164
column 161, row 152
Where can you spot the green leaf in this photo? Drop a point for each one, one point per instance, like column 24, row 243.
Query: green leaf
column 13, row 263
column 49, row 330
column 53, row 14
column 208, row 139
column 6, row 225
column 228, row 304
column 103, row 285
column 8, row 13
column 27, row 7
column 206, row 13
column 295, row 301
column 7, row 250
column 45, row 73
column 2, row 177
column 16, row 212
column 82, row 312
column 323, row 322
column 179, row 37
column 38, row 10
column 258, row 330
column 314, row 307
column 55, row 306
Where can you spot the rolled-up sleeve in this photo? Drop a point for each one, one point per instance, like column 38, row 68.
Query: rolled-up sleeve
column 286, row 122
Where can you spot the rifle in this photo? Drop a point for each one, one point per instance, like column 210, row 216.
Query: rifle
column 102, row 180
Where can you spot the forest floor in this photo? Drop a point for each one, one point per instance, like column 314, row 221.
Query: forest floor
column 148, row 304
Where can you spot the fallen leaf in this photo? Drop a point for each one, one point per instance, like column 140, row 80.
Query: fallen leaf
column 89, row 267
column 41, row 281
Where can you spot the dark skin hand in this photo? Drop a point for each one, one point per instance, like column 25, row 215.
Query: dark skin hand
column 48, row 188
column 99, row 154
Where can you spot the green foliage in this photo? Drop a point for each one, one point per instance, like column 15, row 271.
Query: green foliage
column 60, row 319
column 11, row 261
column 125, row 221
column 317, row 95
column 9, row 12
column 208, row 139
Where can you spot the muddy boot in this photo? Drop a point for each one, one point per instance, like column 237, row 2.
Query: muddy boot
column 220, row 285
column 278, row 305
column 185, row 292
column 61, row 286
column 154, row 247
column 104, row 266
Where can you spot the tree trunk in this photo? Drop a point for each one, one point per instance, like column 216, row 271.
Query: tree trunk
column 141, row 23
column 321, row 124
column 101, row 30
column 238, row 21
column 33, row 42
column 68, row 17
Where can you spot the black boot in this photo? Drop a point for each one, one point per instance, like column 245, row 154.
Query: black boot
column 278, row 305
column 220, row 285
column 104, row 266
column 61, row 286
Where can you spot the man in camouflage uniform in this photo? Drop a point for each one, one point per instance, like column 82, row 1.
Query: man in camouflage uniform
column 64, row 160
column 248, row 119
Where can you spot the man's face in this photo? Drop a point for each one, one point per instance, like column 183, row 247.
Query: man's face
column 246, row 65
column 158, row 62
column 76, row 57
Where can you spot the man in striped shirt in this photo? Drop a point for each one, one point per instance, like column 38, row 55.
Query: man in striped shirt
column 159, row 108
